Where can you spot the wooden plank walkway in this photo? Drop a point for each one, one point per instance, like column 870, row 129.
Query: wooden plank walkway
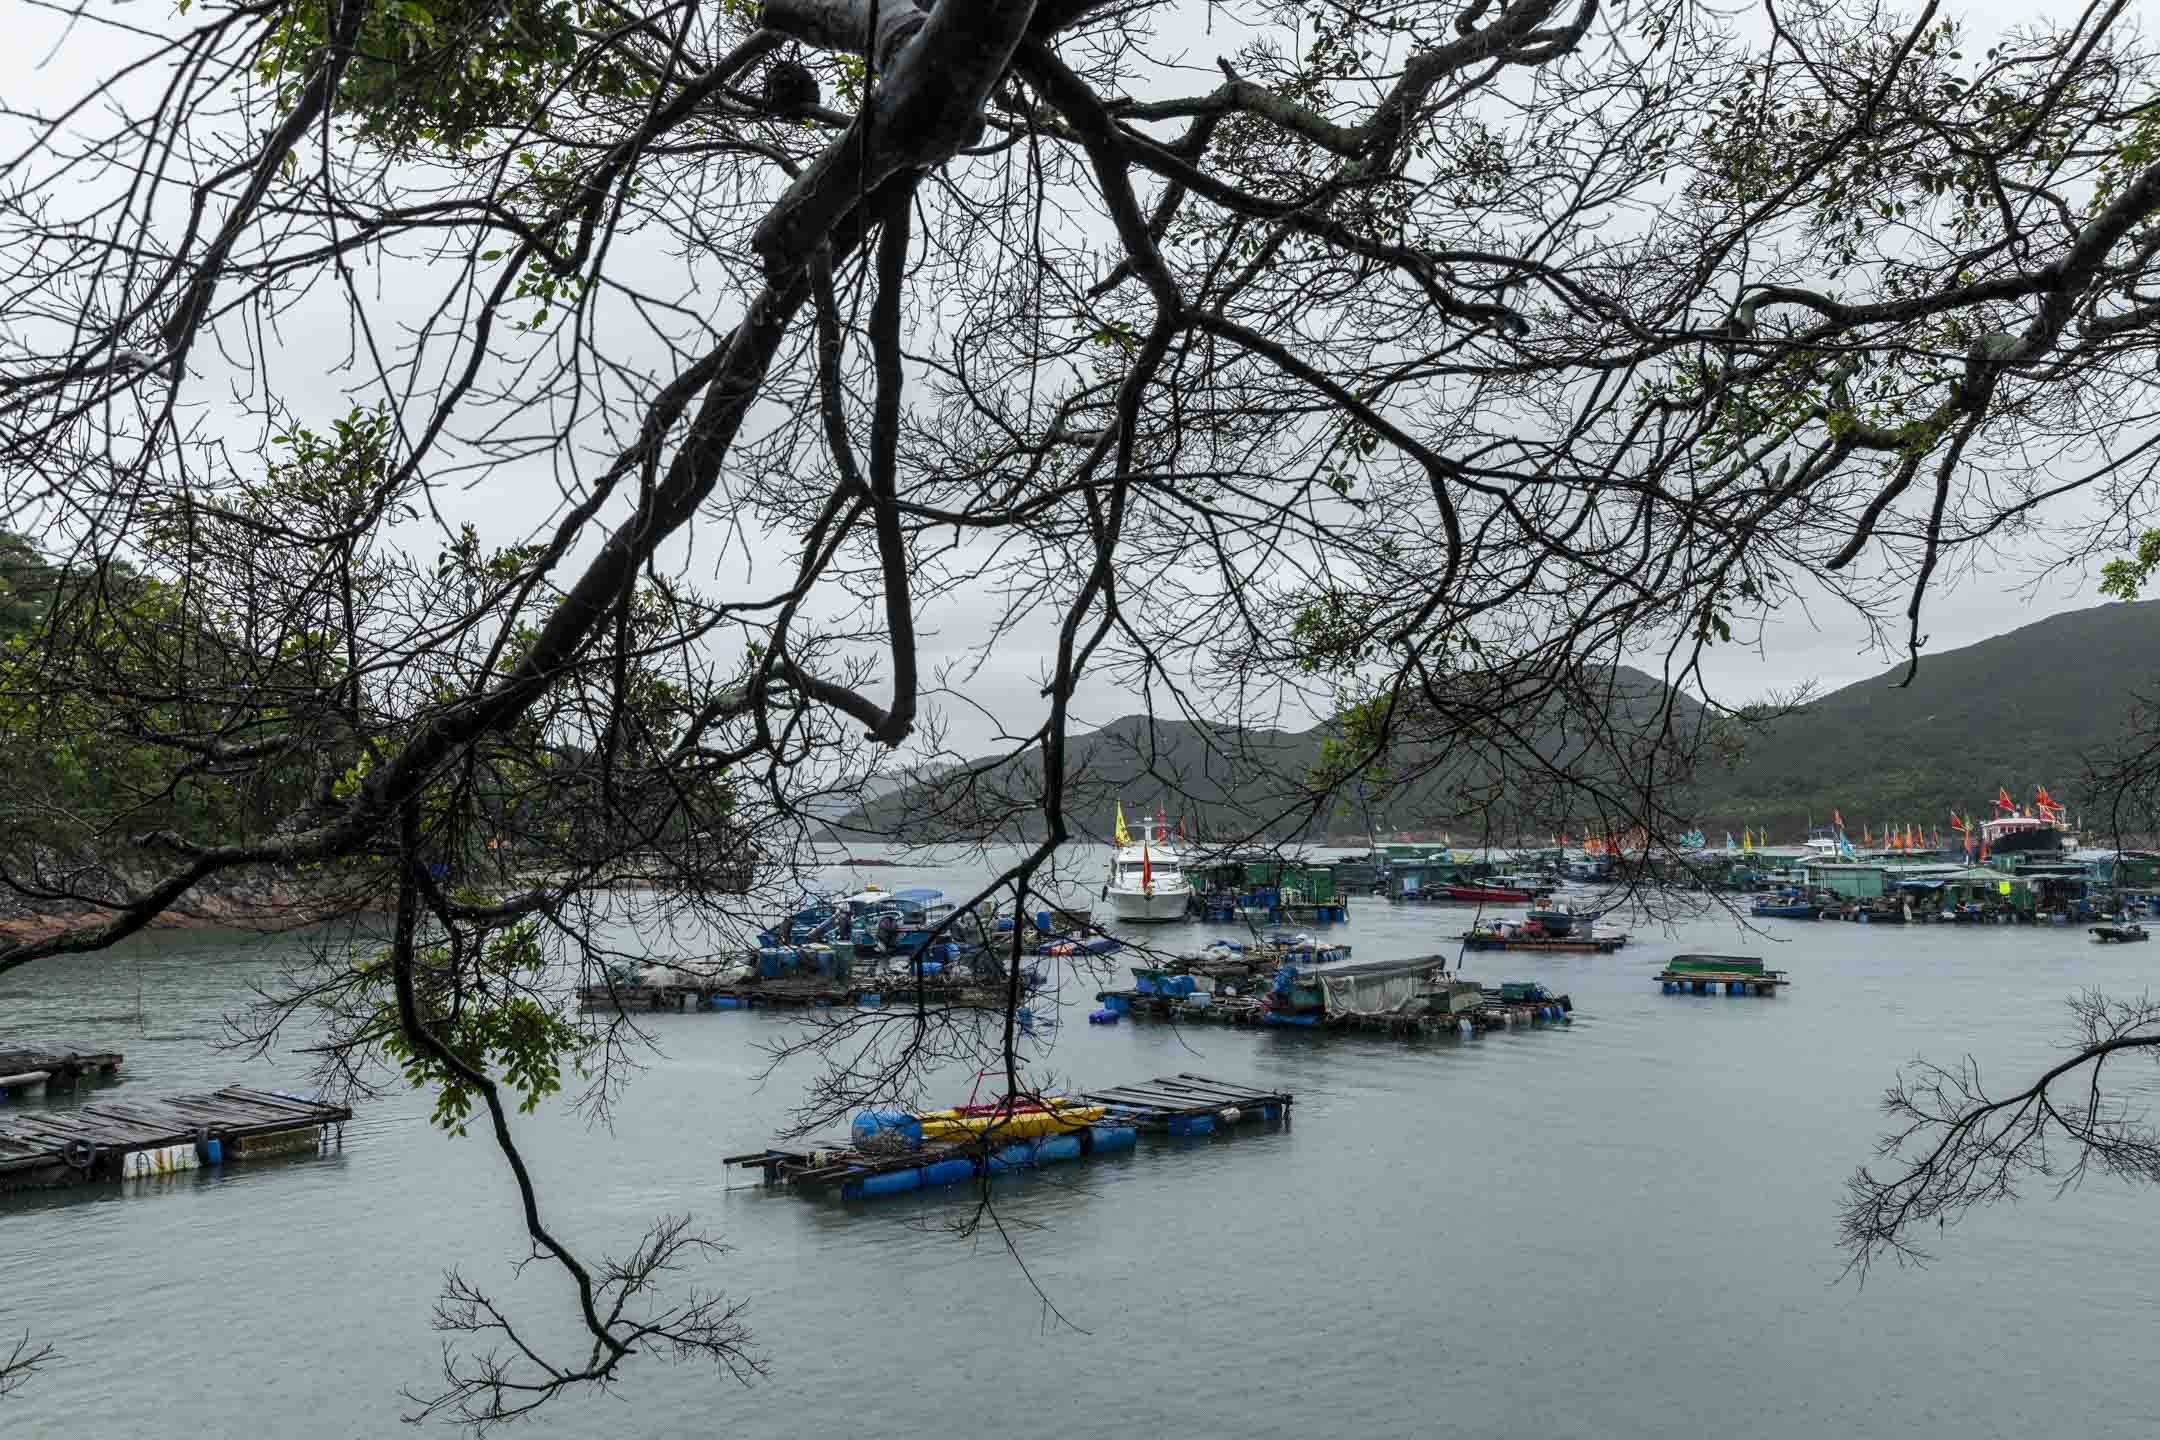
column 1183, row 1105
column 111, row 1140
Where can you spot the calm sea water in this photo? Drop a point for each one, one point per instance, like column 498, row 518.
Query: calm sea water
column 1620, row 1228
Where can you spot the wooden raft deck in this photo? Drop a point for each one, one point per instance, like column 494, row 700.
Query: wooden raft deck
column 1548, row 945
column 790, row 993
column 118, row 1139
column 56, row 1064
column 1181, row 1105
column 1490, row 1012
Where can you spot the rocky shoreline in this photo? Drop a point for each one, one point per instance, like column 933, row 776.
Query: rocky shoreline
column 247, row 901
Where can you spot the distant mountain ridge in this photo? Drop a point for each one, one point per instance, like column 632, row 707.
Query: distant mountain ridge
column 2023, row 708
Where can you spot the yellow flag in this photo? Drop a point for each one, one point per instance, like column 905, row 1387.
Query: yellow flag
column 1747, row 839
column 1124, row 836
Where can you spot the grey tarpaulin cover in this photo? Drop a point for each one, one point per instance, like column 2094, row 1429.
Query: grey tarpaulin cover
column 1384, row 989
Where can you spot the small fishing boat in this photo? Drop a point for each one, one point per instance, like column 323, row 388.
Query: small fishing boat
column 2119, row 934
column 1787, row 910
column 1557, row 922
column 1489, row 894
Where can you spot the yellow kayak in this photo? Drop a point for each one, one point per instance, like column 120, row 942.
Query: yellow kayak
column 953, row 1125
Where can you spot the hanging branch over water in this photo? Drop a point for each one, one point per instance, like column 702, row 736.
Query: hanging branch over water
column 23, row 1360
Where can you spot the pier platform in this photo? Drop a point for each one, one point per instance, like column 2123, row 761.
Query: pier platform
column 56, row 1065
column 1102, row 1122
column 121, row 1139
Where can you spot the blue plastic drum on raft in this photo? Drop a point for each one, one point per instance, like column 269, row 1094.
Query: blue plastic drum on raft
column 1052, row 1149
column 1109, row 1139
column 948, row 1172
column 1106, row 1016
column 892, row 1182
column 1016, row 1156
column 877, row 1122
column 1192, row 1124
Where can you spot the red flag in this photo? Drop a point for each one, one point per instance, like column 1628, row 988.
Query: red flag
column 2003, row 800
column 1836, row 819
column 1147, row 870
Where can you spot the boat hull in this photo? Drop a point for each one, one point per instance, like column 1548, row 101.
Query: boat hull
column 1137, row 907
column 1487, row 894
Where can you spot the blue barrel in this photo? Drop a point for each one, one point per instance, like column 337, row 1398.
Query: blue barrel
column 1108, row 1139
column 1118, row 1003
column 875, row 1122
column 1042, row 921
column 1016, row 1156
column 892, row 1182
column 723, row 1002
column 1053, row 1148
column 870, row 999
column 768, row 963
column 1192, row 1124
column 1271, row 1111
column 948, row 1172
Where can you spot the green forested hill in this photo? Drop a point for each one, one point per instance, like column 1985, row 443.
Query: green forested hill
column 2017, row 710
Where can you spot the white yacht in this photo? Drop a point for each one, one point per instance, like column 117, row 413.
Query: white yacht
column 1147, row 883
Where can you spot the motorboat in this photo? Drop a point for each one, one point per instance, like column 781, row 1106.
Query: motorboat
column 1146, row 884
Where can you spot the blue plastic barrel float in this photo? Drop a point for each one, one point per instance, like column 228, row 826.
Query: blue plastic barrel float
column 1108, row 1139
column 1108, row 1015
column 878, row 1122
column 892, row 1182
column 1053, row 1149
column 1016, row 1156
column 1192, row 1124
column 948, row 1172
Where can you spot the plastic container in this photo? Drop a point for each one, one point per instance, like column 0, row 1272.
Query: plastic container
column 1016, row 1156
column 1052, row 1149
column 892, row 1182
column 948, row 1172
column 877, row 1122
column 1109, row 1139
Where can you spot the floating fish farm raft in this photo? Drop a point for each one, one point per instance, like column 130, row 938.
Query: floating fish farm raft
column 115, row 1140
column 794, row 993
column 890, row 1153
column 1702, row 974
column 28, row 1069
column 1542, row 944
column 1402, row 998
